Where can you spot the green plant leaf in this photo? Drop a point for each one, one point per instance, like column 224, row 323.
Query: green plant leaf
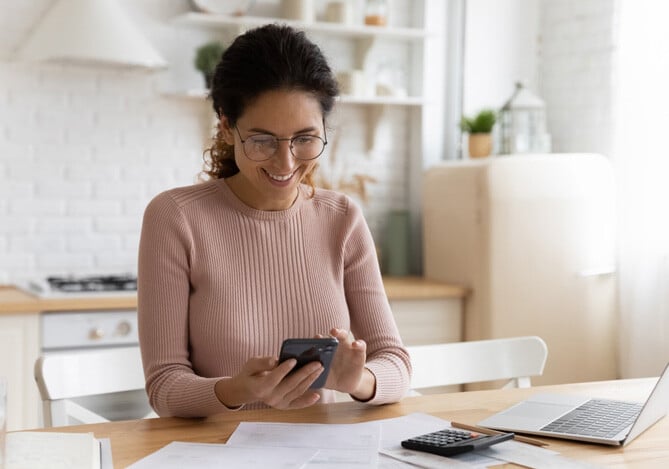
column 207, row 57
column 481, row 123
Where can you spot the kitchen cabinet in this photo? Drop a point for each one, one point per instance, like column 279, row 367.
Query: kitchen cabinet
column 426, row 312
column 428, row 321
column 19, row 349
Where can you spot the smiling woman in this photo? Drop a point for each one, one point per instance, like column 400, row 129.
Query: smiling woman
column 270, row 170
column 231, row 267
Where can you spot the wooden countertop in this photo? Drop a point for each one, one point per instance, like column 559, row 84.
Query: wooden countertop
column 14, row 300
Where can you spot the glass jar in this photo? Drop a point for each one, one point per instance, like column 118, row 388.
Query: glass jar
column 376, row 12
column 523, row 124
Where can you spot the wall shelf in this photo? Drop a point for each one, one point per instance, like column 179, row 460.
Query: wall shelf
column 215, row 21
column 344, row 99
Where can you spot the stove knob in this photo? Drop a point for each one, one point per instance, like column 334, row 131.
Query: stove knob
column 123, row 329
column 96, row 334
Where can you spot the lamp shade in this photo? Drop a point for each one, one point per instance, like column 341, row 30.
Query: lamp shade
column 89, row 32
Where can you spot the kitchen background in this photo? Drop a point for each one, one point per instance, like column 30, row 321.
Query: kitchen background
column 83, row 149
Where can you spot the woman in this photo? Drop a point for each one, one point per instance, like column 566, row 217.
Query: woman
column 231, row 267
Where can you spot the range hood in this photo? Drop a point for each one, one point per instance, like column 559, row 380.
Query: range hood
column 89, row 32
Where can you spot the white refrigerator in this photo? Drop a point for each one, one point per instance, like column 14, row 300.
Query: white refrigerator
column 533, row 237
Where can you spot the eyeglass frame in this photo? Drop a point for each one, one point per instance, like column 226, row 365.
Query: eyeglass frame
column 323, row 139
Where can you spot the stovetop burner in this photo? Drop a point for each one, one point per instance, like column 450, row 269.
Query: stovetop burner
column 94, row 283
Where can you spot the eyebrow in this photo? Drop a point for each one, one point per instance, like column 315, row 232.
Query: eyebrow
column 268, row 132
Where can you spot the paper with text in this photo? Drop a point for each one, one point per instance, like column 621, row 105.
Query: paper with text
column 339, row 445
column 51, row 450
column 183, row 455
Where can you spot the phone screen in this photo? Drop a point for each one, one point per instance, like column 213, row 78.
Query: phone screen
column 309, row 350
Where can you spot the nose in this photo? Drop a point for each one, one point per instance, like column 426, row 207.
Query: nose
column 283, row 156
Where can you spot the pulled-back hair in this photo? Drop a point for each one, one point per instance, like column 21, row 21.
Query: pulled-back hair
column 267, row 58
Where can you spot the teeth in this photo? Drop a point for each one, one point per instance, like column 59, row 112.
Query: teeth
column 280, row 178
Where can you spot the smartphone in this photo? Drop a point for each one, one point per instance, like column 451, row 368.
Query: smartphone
column 309, row 350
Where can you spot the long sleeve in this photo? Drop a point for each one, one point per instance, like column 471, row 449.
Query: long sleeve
column 163, row 309
column 371, row 316
column 221, row 282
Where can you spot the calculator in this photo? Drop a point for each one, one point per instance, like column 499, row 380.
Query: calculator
column 449, row 442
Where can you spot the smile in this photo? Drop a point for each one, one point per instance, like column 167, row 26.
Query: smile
column 280, row 178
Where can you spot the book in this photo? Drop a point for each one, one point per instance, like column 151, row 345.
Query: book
column 51, row 450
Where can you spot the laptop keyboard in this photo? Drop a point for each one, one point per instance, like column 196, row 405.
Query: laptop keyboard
column 598, row 418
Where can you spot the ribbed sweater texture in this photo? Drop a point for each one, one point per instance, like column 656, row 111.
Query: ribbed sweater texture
column 220, row 282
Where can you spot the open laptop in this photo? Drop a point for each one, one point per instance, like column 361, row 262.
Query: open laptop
column 582, row 418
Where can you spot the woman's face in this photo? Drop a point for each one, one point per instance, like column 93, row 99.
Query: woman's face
column 272, row 184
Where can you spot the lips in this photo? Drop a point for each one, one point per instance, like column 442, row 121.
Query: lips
column 279, row 178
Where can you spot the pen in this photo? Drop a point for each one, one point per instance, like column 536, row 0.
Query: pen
column 487, row 431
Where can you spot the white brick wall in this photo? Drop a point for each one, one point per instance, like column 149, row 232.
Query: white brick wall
column 576, row 70
column 82, row 150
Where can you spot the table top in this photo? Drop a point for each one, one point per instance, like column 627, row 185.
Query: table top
column 135, row 439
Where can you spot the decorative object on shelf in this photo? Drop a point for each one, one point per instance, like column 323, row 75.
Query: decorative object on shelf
column 351, row 82
column 479, row 129
column 339, row 11
column 396, row 246
column 91, row 33
column 354, row 185
column 376, row 12
column 207, row 57
column 390, row 80
column 523, row 123
column 223, row 7
column 300, row 10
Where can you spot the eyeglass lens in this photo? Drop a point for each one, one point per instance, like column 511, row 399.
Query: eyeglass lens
column 263, row 146
column 303, row 147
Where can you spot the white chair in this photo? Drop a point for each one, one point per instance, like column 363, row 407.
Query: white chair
column 514, row 359
column 92, row 386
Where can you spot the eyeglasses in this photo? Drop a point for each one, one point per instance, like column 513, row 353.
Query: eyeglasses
column 261, row 147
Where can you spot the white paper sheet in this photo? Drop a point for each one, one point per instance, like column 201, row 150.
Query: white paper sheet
column 532, row 456
column 52, row 450
column 183, row 455
column 339, row 445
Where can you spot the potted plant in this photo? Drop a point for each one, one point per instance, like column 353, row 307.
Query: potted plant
column 207, row 57
column 479, row 129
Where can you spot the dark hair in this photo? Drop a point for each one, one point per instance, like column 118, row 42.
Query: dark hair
column 267, row 58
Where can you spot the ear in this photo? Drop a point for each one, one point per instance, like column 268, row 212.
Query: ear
column 226, row 130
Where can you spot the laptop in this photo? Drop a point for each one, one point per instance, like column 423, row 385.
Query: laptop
column 580, row 418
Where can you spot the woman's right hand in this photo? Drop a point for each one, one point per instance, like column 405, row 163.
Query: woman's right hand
column 264, row 379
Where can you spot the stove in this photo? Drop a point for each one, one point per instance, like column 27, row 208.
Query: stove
column 82, row 286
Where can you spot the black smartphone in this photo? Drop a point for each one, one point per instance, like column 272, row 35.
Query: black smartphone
column 309, row 350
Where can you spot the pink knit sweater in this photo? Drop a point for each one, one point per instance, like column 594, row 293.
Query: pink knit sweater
column 220, row 282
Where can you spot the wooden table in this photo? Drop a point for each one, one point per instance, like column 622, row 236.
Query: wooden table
column 132, row 440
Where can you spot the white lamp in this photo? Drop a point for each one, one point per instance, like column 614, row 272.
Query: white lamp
column 89, row 32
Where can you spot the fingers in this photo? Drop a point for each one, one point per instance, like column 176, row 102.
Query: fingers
column 342, row 335
column 259, row 364
column 293, row 391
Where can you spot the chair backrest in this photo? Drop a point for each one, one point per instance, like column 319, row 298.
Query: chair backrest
column 514, row 359
column 91, row 386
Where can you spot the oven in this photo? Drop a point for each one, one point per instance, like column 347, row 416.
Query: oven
column 93, row 329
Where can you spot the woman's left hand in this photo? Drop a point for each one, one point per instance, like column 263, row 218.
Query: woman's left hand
column 347, row 371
